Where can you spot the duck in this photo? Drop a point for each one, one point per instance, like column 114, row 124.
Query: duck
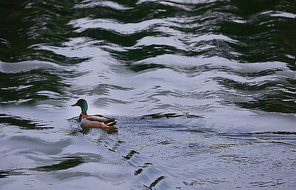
column 94, row 121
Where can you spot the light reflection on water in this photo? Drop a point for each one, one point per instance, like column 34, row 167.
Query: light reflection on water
column 200, row 103
column 163, row 153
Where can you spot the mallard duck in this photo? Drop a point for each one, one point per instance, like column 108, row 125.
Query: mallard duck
column 94, row 121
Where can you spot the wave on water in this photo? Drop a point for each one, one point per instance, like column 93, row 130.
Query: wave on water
column 243, row 53
column 204, row 92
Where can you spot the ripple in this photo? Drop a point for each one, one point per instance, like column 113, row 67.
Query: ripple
column 201, row 89
column 107, row 4
column 112, row 25
column 22, row 123
column 63, row 165
column 30, row 86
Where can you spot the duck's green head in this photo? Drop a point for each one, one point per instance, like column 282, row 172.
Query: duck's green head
column 82, row 104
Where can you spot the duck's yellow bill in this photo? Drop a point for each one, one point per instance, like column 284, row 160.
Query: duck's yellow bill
column 74, row 105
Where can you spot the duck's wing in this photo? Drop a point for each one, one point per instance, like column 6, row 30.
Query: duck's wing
column 101, row 118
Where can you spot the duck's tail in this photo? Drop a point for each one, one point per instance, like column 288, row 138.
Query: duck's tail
column 110, row 122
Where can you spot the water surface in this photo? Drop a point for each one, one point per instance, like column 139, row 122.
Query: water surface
column 204, row 92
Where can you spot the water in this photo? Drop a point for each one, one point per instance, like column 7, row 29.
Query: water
column 204, row 92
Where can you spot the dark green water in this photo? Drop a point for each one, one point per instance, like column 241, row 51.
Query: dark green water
column 204, row 92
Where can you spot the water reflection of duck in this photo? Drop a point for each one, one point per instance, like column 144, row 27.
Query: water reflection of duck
column 94, row 121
